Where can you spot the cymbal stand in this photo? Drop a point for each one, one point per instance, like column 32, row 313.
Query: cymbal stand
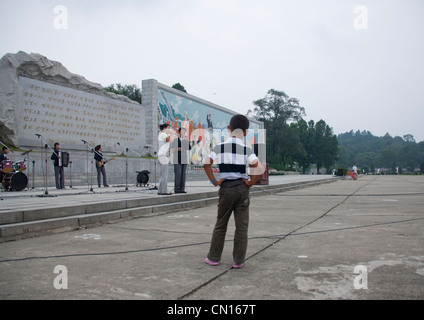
column 126, row 167
column 89, row 181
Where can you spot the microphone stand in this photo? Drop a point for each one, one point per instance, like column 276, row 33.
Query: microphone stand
column 33, row 174
column 126, row 167
column 46, row 193
column 89, row 181
column 126, row 170
column 155, row 157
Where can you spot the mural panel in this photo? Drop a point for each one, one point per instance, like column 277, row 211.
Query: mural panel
column 206, row 125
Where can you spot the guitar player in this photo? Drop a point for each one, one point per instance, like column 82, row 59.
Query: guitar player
column 100, row 165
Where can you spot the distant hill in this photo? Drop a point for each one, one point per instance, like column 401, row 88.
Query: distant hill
column 370, row 152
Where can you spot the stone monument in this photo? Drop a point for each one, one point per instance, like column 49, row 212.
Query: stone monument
column 40, row 96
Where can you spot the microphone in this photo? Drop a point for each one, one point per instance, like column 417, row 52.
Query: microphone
column 118, row 143
column 38, row 135
column 84, row 141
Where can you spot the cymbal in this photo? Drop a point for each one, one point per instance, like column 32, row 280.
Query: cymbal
column 26, row 152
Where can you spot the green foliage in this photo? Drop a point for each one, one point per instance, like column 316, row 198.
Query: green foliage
column 277, row 107
column 370, row 152
column 299, row 142
column 340, row 172
column 180, row 87
column 130, row 91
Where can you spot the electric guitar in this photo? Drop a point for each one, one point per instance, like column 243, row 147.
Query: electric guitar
column 103, row 162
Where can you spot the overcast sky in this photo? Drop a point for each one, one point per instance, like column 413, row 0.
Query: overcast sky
column 232, row 52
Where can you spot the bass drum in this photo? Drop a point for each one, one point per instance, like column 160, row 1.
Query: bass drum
column 15, row 181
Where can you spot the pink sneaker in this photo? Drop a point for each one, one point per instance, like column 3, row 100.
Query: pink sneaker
column 238, row 266
column 211, row 263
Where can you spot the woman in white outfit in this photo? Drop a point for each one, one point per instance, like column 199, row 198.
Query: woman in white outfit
column 165, row 138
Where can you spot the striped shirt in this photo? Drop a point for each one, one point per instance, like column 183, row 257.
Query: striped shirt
column 232, row 157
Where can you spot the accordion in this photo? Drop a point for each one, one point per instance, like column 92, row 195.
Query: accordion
column 65, row 159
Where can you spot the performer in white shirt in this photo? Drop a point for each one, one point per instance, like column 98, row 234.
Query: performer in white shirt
column 165, row 138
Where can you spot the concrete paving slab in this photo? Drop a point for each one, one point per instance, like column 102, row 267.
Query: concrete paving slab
column 304, row 244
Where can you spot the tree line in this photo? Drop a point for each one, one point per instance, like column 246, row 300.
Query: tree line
column 371, row 152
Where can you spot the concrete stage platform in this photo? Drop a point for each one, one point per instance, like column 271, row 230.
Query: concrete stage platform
column 348, row 239
column 36, row 212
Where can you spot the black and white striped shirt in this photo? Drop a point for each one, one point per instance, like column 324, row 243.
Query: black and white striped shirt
column 232, row 156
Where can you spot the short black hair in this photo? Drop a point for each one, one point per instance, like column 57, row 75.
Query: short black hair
column 164, row 126
column 239, row 122
column 5, row 148
column 97, row 147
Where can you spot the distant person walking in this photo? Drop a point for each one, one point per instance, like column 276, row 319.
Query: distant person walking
column 355, row 172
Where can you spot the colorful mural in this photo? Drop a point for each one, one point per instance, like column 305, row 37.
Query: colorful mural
column 206, row 126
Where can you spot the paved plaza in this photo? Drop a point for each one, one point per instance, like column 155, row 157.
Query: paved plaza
column 346, row 239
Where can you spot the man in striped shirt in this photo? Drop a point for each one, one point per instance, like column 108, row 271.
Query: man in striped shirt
column 232, row 157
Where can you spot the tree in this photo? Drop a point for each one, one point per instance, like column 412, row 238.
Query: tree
column 329, row 146
column 277, row 106
column 180, row 87
column 304, row 158
column 130, row 91
column 320, row 144
column 323, row 144
column 276, row 109
column 409, row 138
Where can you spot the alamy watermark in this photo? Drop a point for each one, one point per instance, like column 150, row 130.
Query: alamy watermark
column 60, row 282
column 361, row 281
column 361, row 17
column 60, row 21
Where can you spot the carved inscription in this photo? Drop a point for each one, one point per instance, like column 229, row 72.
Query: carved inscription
column 68, row 115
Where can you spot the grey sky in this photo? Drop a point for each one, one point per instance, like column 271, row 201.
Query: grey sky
column 232, row 52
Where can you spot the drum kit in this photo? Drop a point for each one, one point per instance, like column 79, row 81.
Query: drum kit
column 12, row 174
